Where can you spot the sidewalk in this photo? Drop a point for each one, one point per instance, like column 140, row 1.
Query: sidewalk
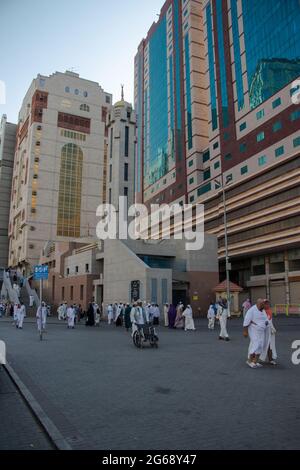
column 19, row 430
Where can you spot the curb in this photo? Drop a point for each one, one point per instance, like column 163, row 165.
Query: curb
column 47, row 424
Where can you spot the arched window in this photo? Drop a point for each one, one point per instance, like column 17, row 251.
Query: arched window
column 84, row 107
column 69, row 197
column 67, row 89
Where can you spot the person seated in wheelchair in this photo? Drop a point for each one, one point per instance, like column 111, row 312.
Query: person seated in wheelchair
column 139, row 317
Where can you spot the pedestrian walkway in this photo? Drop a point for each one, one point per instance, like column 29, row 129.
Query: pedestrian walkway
column 19, row 429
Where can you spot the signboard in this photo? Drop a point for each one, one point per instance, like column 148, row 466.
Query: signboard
column 135, row 290
column 40, row 272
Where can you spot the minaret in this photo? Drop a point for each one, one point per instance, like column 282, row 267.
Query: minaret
column 121, row 152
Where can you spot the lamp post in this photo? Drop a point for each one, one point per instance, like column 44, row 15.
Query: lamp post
column 226, row 248
column 228, row 267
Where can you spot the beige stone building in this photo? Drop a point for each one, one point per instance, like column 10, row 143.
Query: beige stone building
column 58, row 176
column 7, row 151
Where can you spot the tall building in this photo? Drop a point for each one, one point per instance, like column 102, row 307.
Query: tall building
column 58, row 178
column 252, row 52
column 7, row 151
column 121, row 151
column 171, row 104
column 235, row 63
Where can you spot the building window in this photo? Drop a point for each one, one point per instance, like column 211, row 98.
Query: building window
column 192, row 198
column 191, row 180
column 110, row 173
column 277, row 126
column 67, row 89
column 260, row 137
column 71, row 292
column 276, row 103
column 191, row 163
column 216, row 145
column 109, row 196
column 85, row 94
column 243, row 148
column 126, row 141
column 76, row 92
column 296, row 142
column 206, row 174
column 279, row 151
column 204, row 189
column 262, row 160
column 244, row 170
column 260, row 114
column 107, row 99
column 81, row 292
column 206, row 156
column 85, row 107
column 217, row 165
column 243, row 126
column 125, row 191
column 226, row 136
column 295, row 115
column 126, row 172
column 69, row 196
column 87, row 268
column 68, row 271
column 76, row 270
column 228, row 157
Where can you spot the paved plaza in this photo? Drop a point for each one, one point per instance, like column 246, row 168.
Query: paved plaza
column 193, row 392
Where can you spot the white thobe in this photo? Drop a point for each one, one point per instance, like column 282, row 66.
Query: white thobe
column 31, row 299
column 257, row 322
column 166, row 316
column 269, row 342
column 189, row 322
column 21, row 315
column 71, row 317
column 16, row 308
column 41, row 316
column 110, row 314
column 211, row 318
column 223, row 315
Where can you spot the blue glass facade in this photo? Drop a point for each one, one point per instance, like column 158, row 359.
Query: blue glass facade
column 139, row 110
column 222, row 63
column 188, row 91
column 272, row 42
column 237, row 55
column 157, row 159
column 212, row 77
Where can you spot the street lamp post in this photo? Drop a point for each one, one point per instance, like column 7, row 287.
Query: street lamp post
column 226, row 247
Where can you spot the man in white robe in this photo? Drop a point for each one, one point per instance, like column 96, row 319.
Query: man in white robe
column 255, row 324
column 189, row 324
column 166, row 316
column 41, row 316
column 71, row 316
column 211, row 316
column 21, row 315
column 110, row 314
column 222, row 316
column 16, row 315
column 61, row 312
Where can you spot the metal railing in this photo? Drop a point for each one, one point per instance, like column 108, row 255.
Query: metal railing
column 7, row 289
column 287, row 309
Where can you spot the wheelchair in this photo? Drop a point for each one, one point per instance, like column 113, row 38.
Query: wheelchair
column 145, row 334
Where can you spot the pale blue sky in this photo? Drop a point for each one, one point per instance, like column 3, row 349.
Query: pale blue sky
column 97, row 38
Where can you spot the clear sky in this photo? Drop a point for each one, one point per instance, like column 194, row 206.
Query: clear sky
column 97, row 38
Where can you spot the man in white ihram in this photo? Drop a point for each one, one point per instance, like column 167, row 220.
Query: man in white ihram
column 138, row 316
column 255, row 325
